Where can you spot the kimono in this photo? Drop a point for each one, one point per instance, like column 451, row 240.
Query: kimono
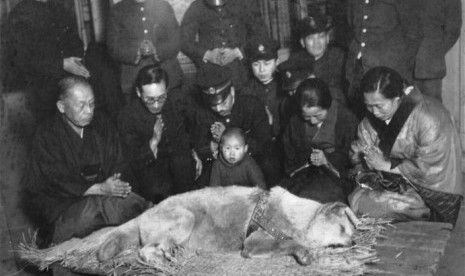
column 333, row 137
column 244, row 173
column 421, row 140
column 64, row 166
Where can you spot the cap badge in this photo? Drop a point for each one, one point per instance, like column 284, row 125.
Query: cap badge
column 261, row 48
column 288, row 74
column 211, row 91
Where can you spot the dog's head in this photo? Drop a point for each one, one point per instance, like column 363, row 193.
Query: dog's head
column 333, row 226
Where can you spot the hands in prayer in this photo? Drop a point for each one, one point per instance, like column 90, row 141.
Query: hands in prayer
column 157, row 134
column 217, row 129
column 375, row 160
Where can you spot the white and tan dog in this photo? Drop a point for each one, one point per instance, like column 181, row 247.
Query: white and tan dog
column 218, row 219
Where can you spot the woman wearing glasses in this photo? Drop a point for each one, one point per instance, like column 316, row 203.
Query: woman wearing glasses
column 316, row 144
column 155, row 138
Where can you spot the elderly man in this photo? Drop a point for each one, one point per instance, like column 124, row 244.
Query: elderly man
column 223, row 108
column 216, row 31
column 77, row 181
column 144, row 32
column 155, row 138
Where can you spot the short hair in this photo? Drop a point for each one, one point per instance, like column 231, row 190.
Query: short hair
column 151, row 74
column 233, row 132
column 384, row 80
column 66, row 85
column 313, row 92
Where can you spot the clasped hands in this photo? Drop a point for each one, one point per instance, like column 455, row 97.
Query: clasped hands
column 222, row 56
column 374, row 159
column 318, row 158
column 112, row 186
column 216, row 129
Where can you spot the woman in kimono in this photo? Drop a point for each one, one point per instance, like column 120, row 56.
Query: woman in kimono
column 410, row 147
column 316, row 144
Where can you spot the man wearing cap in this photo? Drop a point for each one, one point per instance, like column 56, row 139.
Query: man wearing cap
column 222, row 108
column 262, row 55
column 317, row 57
column 216, row 31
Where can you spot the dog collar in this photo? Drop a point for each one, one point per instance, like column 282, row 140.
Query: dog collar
column 259, row 219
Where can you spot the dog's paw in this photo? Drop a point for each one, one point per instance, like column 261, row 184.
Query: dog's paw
column 304, row 256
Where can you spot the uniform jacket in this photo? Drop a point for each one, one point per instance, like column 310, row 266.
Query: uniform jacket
column 330, row 68
column 244, row 173
column 271, row 98
column 421, row 141
column 130, row 23
column 247, row 113
column 442, row 20
column 231, row 27
column 334, row 137
column 386, row 32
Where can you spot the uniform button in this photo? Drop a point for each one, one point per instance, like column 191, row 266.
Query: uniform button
column 146, row 31
column 223, row 43
column 230, row 26
column 141, row 8
column 363, row 44
column 228, row 120
column 143, row 18
column 365, row 17
column 367, row 1
column 364, row 30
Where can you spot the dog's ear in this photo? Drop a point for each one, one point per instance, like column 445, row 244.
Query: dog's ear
column 352, row 217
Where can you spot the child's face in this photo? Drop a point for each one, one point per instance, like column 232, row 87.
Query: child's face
column 264, row 69
column 233, row 149
column 316, row 44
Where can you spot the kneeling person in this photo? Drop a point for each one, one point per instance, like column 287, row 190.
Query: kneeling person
column 77, row 181
column 156, row 140
column 234, row 165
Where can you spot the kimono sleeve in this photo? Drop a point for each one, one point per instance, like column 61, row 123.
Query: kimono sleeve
column 51, row 168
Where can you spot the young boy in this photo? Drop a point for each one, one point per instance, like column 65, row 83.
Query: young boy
column 234, row 165
column 317, row 58
column 262, row 55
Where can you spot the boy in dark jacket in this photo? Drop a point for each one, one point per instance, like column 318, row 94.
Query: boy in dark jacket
column 234, row 165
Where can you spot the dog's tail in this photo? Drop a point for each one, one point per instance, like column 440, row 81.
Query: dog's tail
column 123, row 238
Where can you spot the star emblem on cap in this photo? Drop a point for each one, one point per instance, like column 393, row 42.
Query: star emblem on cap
column 261, row 48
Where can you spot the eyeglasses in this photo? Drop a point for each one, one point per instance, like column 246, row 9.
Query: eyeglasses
column 152, row 100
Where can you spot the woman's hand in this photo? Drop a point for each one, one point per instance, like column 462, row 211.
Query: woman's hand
column 375, row 160
column 318, row 158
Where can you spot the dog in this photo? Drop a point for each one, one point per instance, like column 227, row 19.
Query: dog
column 224, row 219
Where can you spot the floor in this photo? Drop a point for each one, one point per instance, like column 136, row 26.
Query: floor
column 15, row 131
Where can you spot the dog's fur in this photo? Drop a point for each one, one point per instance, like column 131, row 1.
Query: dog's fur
column 216, row 219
